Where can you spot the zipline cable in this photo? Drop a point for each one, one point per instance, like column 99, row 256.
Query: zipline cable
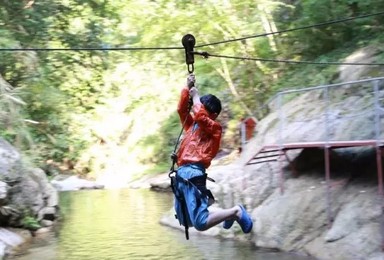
column 197, row 46
column 206, row 55
column 94, row 49
column 291, row 30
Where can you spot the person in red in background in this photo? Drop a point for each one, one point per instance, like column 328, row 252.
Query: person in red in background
column 202, row 136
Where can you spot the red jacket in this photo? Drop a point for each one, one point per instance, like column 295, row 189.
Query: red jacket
column 202, row 144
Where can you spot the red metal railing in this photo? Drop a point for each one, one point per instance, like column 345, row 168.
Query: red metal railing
column 330, row 119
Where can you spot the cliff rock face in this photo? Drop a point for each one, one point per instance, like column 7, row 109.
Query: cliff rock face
column 293, row 207
column 26, row 192
column 296, row 209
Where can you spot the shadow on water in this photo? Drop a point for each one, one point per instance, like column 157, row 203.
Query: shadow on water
column 124, row 224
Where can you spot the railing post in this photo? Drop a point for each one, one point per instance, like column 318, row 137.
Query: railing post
column 328, row 184
column 280, row 141
column 377, row 111
column 327, row 158
column 281, row 173
column 281, row 118
column 377, row 136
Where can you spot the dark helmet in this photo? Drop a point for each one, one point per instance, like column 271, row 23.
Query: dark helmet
column 211, row 103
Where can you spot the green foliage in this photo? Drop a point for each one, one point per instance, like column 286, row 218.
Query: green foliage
column 30, row 223
column 310, row 43
column 163, row 142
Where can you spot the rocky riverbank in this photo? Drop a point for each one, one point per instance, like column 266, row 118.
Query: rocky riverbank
column 29, row 203
column 297, row 220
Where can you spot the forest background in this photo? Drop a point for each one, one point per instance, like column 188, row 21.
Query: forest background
column 113, row 112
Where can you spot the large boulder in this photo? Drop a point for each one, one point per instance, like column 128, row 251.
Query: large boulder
column 24, row 192
column 72, row 183
column 9, row 161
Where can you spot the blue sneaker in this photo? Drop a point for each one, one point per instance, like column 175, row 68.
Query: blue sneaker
column 245, row 220
column 228, row 223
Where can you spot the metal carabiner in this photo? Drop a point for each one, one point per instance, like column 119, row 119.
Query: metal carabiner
column 191, row 68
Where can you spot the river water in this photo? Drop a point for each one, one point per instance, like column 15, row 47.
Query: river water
column 124, row 224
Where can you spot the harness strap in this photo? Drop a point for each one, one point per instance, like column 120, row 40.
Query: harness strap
column 185, row 209
column 199, row 182
column 181, row 199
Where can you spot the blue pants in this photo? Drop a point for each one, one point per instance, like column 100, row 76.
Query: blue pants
column 197, row 205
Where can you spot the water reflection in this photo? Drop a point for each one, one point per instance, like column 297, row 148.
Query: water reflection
column 124, row 224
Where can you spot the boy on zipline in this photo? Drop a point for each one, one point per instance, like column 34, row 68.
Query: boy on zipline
column 202, row 135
